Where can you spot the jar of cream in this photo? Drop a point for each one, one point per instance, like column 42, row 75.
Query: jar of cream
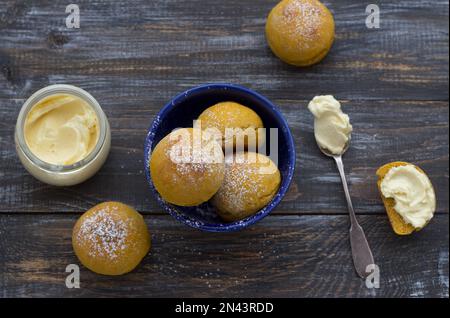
column 62, row 135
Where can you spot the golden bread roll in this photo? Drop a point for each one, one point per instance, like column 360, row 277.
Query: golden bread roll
column 300, row 32
column 251, row 181
column 398, row 222
column 111, row 238
column 187, row 167
column 236, row 125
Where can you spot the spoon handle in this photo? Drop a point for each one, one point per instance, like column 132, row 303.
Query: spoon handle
column 362, row 255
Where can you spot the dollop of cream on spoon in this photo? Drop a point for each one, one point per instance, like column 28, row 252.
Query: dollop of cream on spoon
column 332, row 127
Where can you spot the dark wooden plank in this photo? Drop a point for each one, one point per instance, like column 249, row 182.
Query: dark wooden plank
column 384, row 131
column 161, row 47
column 282, row 256
column 134, row 56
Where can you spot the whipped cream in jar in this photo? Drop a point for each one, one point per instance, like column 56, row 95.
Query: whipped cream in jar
column 62, row 135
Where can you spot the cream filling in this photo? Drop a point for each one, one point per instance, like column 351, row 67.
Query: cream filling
column 413, row 193
column 332, row 127
column 61, row 129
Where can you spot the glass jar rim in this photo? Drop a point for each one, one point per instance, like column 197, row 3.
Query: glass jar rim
column 52, row 90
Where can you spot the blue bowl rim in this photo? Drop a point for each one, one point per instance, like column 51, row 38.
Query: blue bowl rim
column 237, row 225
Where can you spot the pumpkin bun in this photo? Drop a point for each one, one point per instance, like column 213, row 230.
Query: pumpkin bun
column 234, row 124
column 111, row 238
column 187, row 167
column 251, row 181
column 398, row 223
column 300, row 32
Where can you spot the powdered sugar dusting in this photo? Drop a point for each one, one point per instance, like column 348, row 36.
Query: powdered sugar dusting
column 193, row 159
column 303, row 19
column 243, row 182
column 103, row 234
column 239, row 186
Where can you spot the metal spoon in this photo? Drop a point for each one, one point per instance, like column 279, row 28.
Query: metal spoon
column 362, row 255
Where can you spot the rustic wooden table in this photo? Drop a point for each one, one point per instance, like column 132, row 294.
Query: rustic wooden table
column 133, row 56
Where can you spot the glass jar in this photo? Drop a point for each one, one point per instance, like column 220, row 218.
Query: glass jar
column 63, row 175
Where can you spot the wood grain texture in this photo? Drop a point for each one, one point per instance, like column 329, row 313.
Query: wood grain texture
column 161, row 47
column 133, row 56
column 282, row 256
column 398, row 130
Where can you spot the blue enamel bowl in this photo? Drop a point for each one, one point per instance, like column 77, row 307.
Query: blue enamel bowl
column 186, row 107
